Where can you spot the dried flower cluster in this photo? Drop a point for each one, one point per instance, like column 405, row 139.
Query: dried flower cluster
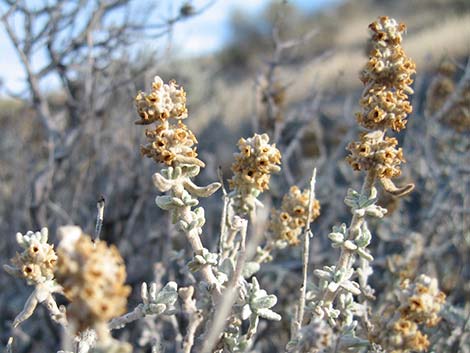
column 342, row 288
column 254, row 164
column 252, row 169
column 387, row 77
column 403, row 336
column 385, row 104
column 374, row 151
column 37, row 262
column 164, row 102
column 286, row 224
column 92, row 275
column 419, row 303
column 171, row 140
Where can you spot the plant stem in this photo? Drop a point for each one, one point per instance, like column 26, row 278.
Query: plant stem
column 194, row 239
column 305, row 258
column 222, row 311
column 347, row 257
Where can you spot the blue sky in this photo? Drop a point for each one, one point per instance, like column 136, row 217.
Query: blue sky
column 201, row 34
column 213, row 25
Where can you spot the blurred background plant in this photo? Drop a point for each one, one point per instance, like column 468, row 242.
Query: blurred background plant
column 285, row 69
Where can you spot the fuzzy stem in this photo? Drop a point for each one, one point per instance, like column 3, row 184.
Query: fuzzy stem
column 196, row 244
column 266, row 252
column 347, row 257
column 229, row 242
column 123, row 320
column 195, row 317
column 230, row 294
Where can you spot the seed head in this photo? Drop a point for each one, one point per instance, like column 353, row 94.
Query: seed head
column 170, row 141
column 38, row 260
column 387, row 77
column 92, row 275
column 287, row 223
column 166, row 142
column 375, row 151
column 163, row 102
column 254, row 164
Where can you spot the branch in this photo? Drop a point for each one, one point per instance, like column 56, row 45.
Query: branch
column 222, row 311
column 195, row 316
column 153, row 303
column 42, row 294
column 306, row 251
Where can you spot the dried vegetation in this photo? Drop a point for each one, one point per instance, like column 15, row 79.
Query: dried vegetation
column 366, row 255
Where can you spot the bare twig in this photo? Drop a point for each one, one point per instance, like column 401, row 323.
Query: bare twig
column 9, row 348
column 270, row 79
column 223, row 220
column 305, row 258
column 99, row 217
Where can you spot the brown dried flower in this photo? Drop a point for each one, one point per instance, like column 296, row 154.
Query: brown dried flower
column 170, row 141
column 252, row 170
column 387, row 78
column 385, row 104
column 286, row 224
column 254, row 164
column 419, row 303
column 167, row 142
column 377, row 152
column 163, row 102
column 92, row 275
column 273, row 101
column 403, row 336
column 37, row 262
column 421, row 300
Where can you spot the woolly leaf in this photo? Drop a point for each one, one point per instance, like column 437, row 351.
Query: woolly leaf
column 269, row 314
column 265, row 302
column 169, row 294
column 250, row 269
